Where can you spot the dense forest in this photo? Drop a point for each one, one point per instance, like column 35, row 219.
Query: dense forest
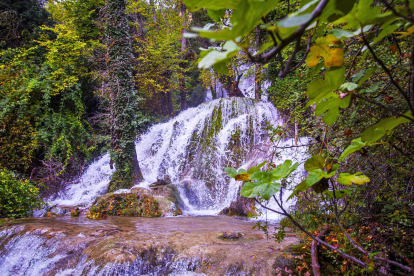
column 79, row 78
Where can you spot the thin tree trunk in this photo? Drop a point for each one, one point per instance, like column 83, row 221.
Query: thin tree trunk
column 296, row 133
column 183, row 94
column 314, row 253
column 213, row 92
column 258, row 69
column 170, row 104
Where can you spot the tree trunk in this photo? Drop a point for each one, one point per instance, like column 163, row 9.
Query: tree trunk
column 183, row 94
column 123, row 105
column 213, row 92
column 258, row 69
column 232, row 86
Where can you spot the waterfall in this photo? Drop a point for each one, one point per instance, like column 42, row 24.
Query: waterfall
column 193, row 149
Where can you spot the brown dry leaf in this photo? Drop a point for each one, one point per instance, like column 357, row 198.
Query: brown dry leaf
column 243, row 177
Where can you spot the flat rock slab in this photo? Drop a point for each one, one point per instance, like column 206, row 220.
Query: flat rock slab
column 136, row 246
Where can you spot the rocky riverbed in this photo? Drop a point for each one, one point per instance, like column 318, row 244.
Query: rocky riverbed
column 138, row 246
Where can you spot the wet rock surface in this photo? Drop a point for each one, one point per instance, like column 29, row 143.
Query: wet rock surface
column 136, row 246
column 241, row 207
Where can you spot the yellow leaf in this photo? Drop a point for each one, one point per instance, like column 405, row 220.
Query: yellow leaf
column 333, row 57
column 328, row 40
column 407, row 33
column 243, row 177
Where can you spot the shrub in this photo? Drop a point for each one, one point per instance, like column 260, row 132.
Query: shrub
column 18, row 197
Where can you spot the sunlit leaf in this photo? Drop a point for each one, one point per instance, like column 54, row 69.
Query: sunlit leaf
column 385, row 126
column 356, row 144
column 333, row 57
column 230, row 49
column 194, row 5
column 348, row 179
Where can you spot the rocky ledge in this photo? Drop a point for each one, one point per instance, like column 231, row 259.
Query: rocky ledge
column 139, row 246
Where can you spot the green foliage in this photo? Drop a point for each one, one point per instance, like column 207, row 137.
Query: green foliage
column 264, row 183
column 43, row 90
column 18, row 197
column 20, row 21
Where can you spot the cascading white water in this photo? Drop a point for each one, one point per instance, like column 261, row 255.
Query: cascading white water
column 193, row 149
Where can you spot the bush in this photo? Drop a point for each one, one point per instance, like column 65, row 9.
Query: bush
column 18, row 197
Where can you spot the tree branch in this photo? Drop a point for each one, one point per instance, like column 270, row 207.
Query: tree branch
column 383, row 106
column 298, row 33
column 387, row 71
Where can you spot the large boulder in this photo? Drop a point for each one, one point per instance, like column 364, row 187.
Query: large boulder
column 241, row 207
column 159, row 201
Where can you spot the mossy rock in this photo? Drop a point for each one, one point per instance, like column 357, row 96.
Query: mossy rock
column 169, row 199
column 117, row 183
column 124, row 204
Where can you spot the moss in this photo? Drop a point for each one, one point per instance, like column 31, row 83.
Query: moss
column 124, row 204
column 119, row 181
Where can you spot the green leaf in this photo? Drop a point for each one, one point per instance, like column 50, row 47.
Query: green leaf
column 299, row 188
column 216, row 15
column 373, row 134
column 336, row 9
column 356, row 144
column 231, row 172
column 245, row 17
column 319, row 89
column 267, row 190
column 370, row 71
column 358, row 76
column 385, row 126
column 230, row 49
column 331, row 116
column 257, row 168
column 350, row 86
column 221, row 68
column 265, row 184
column 335, row 167
column 385, row 31
column 294, row 21
column 264, row 47
column 338, row 193
column 248, row 190
column 372, row 88
column 341, row 34
column 315, row 162
column 357, row 178
column 323, row 106
column 194, row 5
column 344, row 103
column 284, row 170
